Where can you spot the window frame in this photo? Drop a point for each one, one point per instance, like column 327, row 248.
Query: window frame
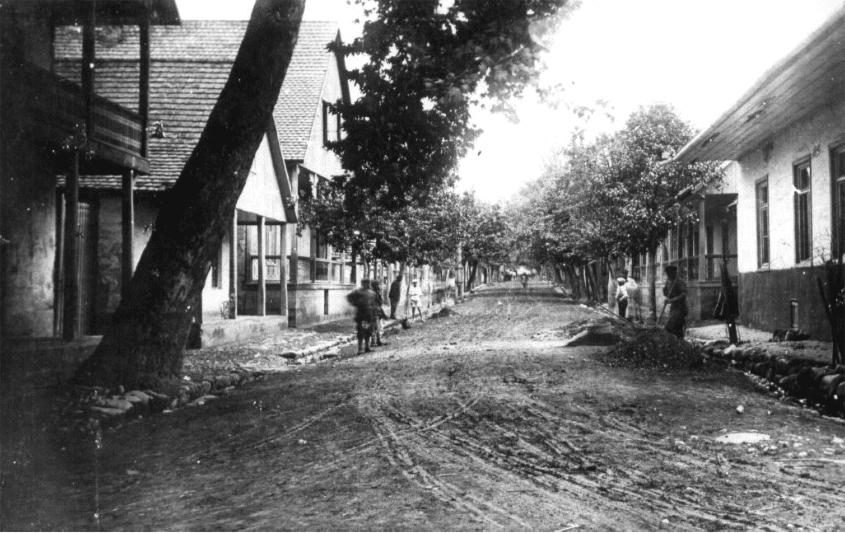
column 252, row 259
column 803, row 213
column 327, row 115
column 837, row 194
column 763, row 259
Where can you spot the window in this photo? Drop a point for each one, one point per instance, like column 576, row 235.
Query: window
column 837, row 158
column 803, row 207
column 272, row 252
column 322, row 263
column 331, row 124
column 763, row 222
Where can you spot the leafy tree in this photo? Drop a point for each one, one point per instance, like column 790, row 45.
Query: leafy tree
column 150, row 327
column 426, row 62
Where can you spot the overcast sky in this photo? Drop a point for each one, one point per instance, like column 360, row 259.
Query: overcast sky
column 699, row 56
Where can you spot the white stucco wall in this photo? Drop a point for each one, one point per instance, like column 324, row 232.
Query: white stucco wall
column 812, row 137
column 261, row 194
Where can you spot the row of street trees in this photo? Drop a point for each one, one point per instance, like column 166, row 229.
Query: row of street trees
column 427, row 61
column 617, row 195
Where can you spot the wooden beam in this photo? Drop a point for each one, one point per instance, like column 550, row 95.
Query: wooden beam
column 262, row 267
column 70, row 329
column 233, row 267
column 127, row 263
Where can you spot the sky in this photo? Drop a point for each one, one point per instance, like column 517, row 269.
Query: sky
column 699, row 56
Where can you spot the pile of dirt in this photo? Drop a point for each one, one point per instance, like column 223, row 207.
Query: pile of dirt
column 654, row 349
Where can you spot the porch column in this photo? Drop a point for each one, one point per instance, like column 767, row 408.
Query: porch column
column 262, row 267
column 354, row 278
column 702, row 241
column 144, row 81
column 127, row 226
column 294, row 258
column 70, row 328
column 233, row 267
column 283, row 269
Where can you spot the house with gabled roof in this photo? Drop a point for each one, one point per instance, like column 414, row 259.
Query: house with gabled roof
column 50, row 126
column 252, row 279
column 786, row 135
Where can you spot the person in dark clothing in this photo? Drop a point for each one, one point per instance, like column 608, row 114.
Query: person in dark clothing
column 378, row 313
column 363, row 299
column 675, row 292
column 394, row 295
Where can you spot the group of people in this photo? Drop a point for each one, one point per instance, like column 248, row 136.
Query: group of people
column 674, row 294
column 369, row 309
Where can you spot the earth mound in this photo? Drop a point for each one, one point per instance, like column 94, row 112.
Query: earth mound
column 654, row 349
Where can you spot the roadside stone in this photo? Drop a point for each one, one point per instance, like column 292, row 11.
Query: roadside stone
column 790, row 384
column 830, row 384
column 221, row 382
column 760, row 369
column 139, row 406
column 781, row 365
column 158, row 402
column 114, row 403
column 808, row 377
column 107, row 412
column 143, row 396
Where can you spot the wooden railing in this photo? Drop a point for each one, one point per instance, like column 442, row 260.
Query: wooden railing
column 53, row 107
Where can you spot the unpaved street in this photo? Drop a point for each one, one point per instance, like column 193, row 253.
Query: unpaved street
column 477, row 421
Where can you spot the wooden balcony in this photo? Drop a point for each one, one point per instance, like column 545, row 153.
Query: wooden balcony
column 50, row 109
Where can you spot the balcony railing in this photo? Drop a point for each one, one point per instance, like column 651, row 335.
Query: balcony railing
column 53, row 107
column 712, row 270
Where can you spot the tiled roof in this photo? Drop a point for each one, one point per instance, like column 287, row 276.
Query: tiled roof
column 190, row 65
column 300, row 96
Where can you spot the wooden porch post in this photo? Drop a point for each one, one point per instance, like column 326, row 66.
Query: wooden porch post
column 233, row 267
column 70, row 329
column 702, row 242
column 262, row 260
column 283, row 286
column 127, row 227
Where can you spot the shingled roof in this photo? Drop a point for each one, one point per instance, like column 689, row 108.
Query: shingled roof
column 190, row 65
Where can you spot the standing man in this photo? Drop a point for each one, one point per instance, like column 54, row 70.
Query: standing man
column 622, row 294
column 675, row 292
column 378, row 313
column 415, row 298
column 394, row 295
column 363, row 299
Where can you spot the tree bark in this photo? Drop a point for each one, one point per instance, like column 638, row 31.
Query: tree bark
column 146, row 340
column 652, row 283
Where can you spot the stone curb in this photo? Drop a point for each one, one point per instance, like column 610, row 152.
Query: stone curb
column 111, row 409
column 808, row 381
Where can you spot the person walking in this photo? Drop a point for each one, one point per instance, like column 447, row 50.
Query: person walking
column 415, row 299
column 394, row 295
column 622, row 294
column 378, row 313
column 363, row 299
column 675, row 293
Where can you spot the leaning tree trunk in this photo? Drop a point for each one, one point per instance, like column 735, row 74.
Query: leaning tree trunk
column 472, row 273
column 150, row 326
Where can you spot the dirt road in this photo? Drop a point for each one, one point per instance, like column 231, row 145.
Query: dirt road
column 477, row 421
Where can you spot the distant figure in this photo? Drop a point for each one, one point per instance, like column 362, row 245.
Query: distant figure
column 633, row 291
column 394, row 295
column 451, row 288
column 415, row 298
column 524, row 279
column 675, row 292
column 363, row 299
column 378, row 313
column 622, row 295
